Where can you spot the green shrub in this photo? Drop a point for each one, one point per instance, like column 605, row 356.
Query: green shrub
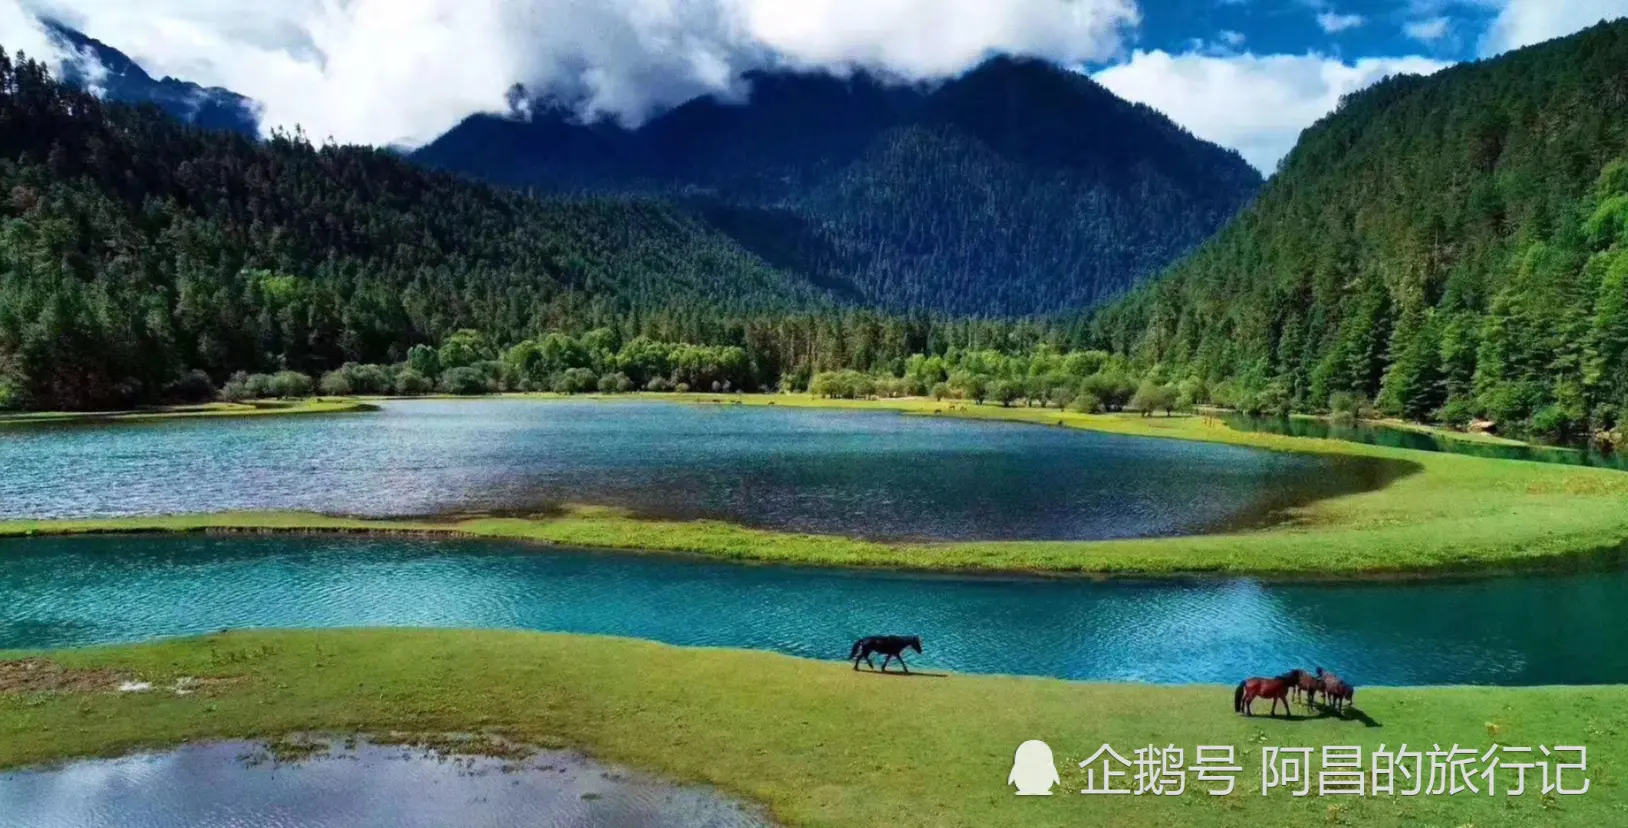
column 1004, row 391
column 411, row 383
column 1344, row 406
column 1086, row 403
column 1455, row 414
column 615, row 382
column 289, row 384
column 1153, row 396
column 335, row 384
column 463, row 382
column 575, row 381
column 192, row 387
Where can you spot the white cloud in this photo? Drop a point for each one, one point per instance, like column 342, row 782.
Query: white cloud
column 1428, row 31
column 930, row 38
column 1333, row 22
column 1525, row 22
column 1257, row 105
column 21, row 32
column 1231, row 38
column 403, row 71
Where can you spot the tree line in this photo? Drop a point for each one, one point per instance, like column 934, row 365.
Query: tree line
column 600, row 361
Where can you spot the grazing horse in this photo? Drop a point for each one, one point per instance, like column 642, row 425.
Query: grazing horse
column 1336, row 691
column 1276, row 689
column 1302, row 685
column 892, row 646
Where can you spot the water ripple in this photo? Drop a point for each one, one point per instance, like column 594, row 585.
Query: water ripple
column 57, row 592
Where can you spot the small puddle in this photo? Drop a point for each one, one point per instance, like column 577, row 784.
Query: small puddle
column 352, row 785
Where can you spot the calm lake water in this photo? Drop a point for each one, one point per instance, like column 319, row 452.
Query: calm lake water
column 369, row 786
column 58, row 592
column 1380, row 435
column 872, row 474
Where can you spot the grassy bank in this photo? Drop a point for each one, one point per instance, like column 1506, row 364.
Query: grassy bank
column 1453, row 514
column 257, row 408
column 816, row 742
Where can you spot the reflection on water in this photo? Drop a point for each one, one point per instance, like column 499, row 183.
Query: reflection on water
column 869, row 474
column 226, row 784
column 58, row 592
column 1379, row 435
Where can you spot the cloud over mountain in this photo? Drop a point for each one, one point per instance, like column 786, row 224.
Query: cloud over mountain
column 1256, row 104
column 403, row 71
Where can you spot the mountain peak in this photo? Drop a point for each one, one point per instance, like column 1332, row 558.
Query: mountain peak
column 116, row 77
column 1020, row 187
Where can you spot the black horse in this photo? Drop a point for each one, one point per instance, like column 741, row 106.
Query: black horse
column 892, row 646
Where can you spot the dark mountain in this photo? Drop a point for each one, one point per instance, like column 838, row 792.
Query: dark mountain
column 120, row 79
column 1019, row 188
column 136, row 248
column 1450, row 247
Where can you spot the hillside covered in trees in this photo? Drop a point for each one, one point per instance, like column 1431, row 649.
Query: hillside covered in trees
column 1446, row 248
column 134, row 248
column 1019, row 188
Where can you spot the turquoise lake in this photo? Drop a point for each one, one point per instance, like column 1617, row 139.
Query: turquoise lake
column 59, row 592
column 867, row 474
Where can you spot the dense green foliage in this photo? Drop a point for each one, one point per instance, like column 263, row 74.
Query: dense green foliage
column 1443, row 248
column 142, row 260
column 1020, row 188
column 134, row 250
column 598, row 361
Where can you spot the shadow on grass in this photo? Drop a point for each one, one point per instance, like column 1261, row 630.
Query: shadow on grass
column 911, row 674
column 1321, row 712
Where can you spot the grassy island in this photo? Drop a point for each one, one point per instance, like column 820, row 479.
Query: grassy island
column 255, row 408
column 817, row 743
column 1442, row 514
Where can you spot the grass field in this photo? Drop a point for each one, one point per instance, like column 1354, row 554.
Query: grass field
column 1450, row 514
column 818, row 743
column 314, row 405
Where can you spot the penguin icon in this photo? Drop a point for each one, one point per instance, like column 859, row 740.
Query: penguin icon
column 1033, row 770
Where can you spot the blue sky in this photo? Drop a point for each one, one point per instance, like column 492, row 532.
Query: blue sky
column 1246, row 74
column 1350, row 28
column 1251, row 74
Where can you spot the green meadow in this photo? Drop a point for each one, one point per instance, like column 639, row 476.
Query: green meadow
column 255, row 408
column 816, row 742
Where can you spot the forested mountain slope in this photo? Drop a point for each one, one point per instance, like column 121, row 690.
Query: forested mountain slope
column 1450, row 247
column 134, row 247
column 118, row 78
column 1019, row 188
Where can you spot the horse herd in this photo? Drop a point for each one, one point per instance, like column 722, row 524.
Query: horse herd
column 1305, row 686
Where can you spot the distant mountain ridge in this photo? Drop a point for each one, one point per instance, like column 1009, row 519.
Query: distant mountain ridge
column 1019, row 188
column 119, row 78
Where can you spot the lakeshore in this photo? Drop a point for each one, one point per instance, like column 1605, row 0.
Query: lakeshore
column 1442, row 515
column 815, row 742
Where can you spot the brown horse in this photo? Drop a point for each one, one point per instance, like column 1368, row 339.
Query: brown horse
column 1276, row 689
column 1336, row 692
column 1305, row 686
